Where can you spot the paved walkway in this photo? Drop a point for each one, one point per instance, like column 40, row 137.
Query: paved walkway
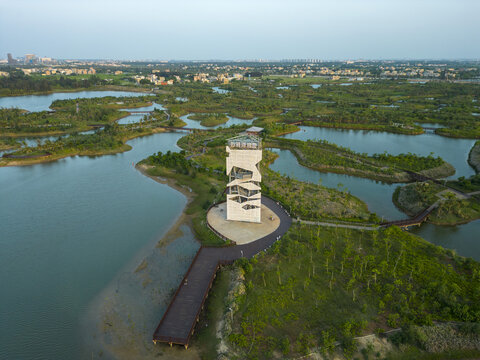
column 346, row 226
column 178, row 322
column 242, row 232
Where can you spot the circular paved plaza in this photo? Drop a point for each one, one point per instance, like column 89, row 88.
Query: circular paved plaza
column 239, row 231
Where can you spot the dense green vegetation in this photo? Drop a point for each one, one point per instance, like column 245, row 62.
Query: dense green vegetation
column 205, row 183
column 472, row 184
column 8, row 143
column 66, row 118
column 452, row 208
column 324, row 156
column 18, row 83
column 173, row 160
column 319, row 285
column 383, row 105
column 312, row 201
column 210, row 119
column 109, row 102
column 474, row 156
column 109, row 140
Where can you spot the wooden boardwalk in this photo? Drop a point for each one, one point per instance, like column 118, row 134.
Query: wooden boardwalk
column 416, row 220
column 178, row 322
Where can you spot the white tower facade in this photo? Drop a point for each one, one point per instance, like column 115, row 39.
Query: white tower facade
column 243, row 188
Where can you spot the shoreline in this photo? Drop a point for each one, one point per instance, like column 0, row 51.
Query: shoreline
column 107, row 335
column 123, row 114
column 112, row 88
column 400, row 177
column 362, row 127
column 124, row 148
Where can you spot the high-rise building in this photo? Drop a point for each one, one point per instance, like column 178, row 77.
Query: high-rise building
column 243, row 188
column 11, row 60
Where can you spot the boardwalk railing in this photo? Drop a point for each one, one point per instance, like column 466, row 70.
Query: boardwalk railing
column 223, row 237
column 178, row 322
column 169, row 339
column 416, row 220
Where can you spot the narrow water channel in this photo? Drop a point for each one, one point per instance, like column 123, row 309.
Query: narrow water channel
column 464, row 239
column 376, row 194
column 454, row 151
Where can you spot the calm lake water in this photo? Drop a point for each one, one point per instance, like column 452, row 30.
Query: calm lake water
column 463, row 238
column 454, row 151
column 43, row 102
column 66, row 229
column 220, row 90
column 133, row 119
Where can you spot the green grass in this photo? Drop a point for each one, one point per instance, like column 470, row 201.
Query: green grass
column 312, row 201
column 207, row 187
column 318, row 285
column 412, row 352
column 66, row 119
column 205, row 337
column 210, row 119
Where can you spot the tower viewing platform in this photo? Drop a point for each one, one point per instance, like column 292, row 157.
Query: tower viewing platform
column 243, row 188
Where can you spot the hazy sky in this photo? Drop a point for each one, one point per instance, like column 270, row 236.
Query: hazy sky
column 246, row 29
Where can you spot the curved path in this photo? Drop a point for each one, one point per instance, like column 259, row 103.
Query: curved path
column 178, row 322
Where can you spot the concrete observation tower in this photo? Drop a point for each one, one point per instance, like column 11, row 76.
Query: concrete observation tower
column 243, row 188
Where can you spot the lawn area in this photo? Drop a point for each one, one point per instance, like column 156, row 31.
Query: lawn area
column 321, row 285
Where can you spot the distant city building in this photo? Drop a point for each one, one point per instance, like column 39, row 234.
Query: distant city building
column 11, row 60
column 243, row 188
column 30, row 59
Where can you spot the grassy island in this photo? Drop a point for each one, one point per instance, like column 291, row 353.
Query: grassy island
column 474, row 157
column 65, row 118
column 392, row 128
column 110, row 140
column 453, row 208
column 210, row 119
column 327, row 157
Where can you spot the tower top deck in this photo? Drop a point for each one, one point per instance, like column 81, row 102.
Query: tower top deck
column 245, row 142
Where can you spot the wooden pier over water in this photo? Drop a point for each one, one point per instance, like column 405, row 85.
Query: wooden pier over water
column 416, row 220
column 178, row 322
